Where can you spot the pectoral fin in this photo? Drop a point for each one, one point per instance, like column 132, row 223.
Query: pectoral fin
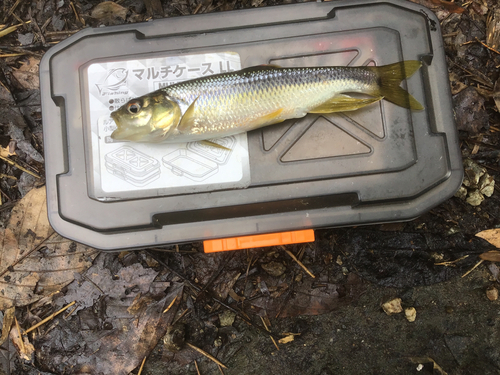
column 187, row 121
column 344, row 103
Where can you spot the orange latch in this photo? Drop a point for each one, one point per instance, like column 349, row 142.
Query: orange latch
column 258, row 240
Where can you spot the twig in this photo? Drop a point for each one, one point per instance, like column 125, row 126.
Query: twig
column 42, row 38
column 78, row 18
column 298, row 261
column 451, row 262
column 11, row 29
column 142, row 365
column 473, row 268
column 11, row 162
column 220, row 369
column 209, row 356
column 197, row 8
column 94, row 284
column 180, row 317
column 12, row 54
column 197, row 369
column 10, row 268
column 71, row 312
column 268, row 330
column 49, row 317
column 170, row 306
column 238, row 312
column 485, row 45
column 12, row 10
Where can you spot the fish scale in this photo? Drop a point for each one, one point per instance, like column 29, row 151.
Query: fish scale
column 230, row 103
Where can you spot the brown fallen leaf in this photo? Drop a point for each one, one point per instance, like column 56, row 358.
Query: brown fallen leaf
column 6, row 151
column 116, row 350
column 25, row 349
column 34, row 260
column 8, row 318
column 491, row 235
column 109, row 12
column 27, row 74
column 492, row 256
column 309, row 300
column 9, row 112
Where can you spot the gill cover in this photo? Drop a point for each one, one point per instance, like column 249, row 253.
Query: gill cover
column 146, row 119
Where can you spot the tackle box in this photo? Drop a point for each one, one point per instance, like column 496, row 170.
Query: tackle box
column 378, row 164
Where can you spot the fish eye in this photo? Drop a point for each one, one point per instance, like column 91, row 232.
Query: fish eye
column 134, row 107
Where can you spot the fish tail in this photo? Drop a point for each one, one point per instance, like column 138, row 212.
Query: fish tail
column 389, row 79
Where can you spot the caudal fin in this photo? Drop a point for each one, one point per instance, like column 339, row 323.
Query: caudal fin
column 390, row 77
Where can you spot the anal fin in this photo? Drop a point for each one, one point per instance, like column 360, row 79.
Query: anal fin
column 270, row 117
column 214, row 144
column 344, row 103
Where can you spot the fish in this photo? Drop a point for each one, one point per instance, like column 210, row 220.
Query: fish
column 229, row 103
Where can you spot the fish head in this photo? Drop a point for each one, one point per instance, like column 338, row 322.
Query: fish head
column 146, row 119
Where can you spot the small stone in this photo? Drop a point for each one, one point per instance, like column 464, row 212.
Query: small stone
column 227, row 318
column 339, row 260
column 486, row 185
column 475, row 198
column 492, row 293
column 410, row 314
column 274, row 268
column 472, row 173
column 393, row 306
column 461, row 193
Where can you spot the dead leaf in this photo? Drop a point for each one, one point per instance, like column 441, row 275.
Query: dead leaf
column 491, row 235
column 8, row 318
column 449, row 6
column 109, row 12
column 116, row 351
column 25, row 349
column 305, row 299
column 9, row 112
column 120, row 289
column 492, row 256
column 5, row 152
column 27, row 74
column 34, row 260
column 496, row 94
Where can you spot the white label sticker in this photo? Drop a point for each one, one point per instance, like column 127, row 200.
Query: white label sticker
column 124, row 170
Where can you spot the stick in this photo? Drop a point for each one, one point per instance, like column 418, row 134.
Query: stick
column 171, row 304
column 142, row 365
column 298, row 261
column 451, row 262
column 485, row 45
column 49, row 318
column 267, row 329
column 473, row 268
column 197, row 369
column 209, row 356
column 11, row 162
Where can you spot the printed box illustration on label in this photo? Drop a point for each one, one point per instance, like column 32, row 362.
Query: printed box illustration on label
column 152, row 169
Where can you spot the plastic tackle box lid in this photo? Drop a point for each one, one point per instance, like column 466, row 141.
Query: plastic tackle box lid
column 379, row 164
